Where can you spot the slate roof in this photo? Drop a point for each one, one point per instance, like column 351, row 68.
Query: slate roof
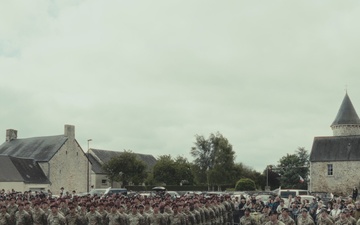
column 14, row 169
column 95, row 165
column 335, row 148
column 346, row 113
column 39, row 148
column 105, row 155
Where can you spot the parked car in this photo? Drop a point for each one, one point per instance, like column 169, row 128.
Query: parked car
column 239, row 194
column 111, row 191
column 286, row 193
column 307, row 197
column 97, row 192
column 173, row 194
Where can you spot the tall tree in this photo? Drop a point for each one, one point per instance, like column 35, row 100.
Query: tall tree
column 183, row 170
column 172, row 171
column 164, row 170
column 243, row 171
column 272, row 177
column 214, row 158
column 294, row 169
column 126, row 167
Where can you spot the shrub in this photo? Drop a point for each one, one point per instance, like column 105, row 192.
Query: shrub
column 245, row 184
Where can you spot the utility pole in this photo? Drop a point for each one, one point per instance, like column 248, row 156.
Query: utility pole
column 88, row 167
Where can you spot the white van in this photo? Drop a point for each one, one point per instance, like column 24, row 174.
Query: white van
column 286, row 193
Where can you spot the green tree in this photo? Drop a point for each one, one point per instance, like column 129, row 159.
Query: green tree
column 164, row 170
column 183, row 170
column 243, row 171
column 292, row 167
column 214, row 159
column 245, row 184
column 273, row 178
column 126, row 167
column 172, row 171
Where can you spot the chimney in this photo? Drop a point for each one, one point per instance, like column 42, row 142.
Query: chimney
column 69, row 131
column 11, row 134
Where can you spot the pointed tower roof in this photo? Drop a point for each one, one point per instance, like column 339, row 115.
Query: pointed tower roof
column 346, row 114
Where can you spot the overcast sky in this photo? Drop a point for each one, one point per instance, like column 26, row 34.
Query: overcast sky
column 150, row 75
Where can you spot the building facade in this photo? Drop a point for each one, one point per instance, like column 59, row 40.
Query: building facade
column 334, row 160
column 60, row 157
column 98, row 157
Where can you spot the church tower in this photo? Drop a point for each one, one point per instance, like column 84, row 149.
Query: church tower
column 347, row 122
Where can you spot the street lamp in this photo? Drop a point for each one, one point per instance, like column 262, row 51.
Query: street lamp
column 267, row 176
column 88, row 166
column 121, row 179
column 267, row 188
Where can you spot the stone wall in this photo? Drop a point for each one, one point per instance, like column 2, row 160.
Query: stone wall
column 345, row 177
column 68, row 168
column 96, row 180
column 17, row 186
column 346, row 130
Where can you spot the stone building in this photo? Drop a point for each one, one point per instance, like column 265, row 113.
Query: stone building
column 54, row 162
column 335, row 160
column 98, row 157
column 21, row 174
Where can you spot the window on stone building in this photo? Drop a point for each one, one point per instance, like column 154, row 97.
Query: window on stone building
column 104, row 182
column 330, row 169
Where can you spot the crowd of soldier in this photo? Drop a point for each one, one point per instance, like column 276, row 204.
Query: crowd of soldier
column 117, row 210
column 299, row 212
column 21, row 209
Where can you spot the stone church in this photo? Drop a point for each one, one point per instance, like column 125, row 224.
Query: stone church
column 335, row 160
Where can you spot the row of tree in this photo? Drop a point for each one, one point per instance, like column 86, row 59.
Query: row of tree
column 213, row 165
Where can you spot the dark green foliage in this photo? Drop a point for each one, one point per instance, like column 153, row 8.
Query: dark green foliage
column 172, row 171
column 291, row 167
column 214, row 160
column 245, row 184
column 126, row 167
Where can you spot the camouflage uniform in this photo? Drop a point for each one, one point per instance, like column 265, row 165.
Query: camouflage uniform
column 176, row 219
column 38, row 217
column 342, row 221
column 301, row 220
column 72, row 219
column 197, row 216
column 47, row 212
column 157, row 219
column 275, row 223
column 82, row 216
column 247, row 220
column 93, row 218
column 22, row 218
column 56, row 219
column 212, row 214
column 230, row 208
column 264, row 218
column 103, row 215
column 64, row 210
column 324, row 220
column 166, row 217
column 11, row 209
column 135, row 219
column 124, row 218
column 113, row 218
column 287, row 221
column 351, row 220
column 5, row 218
